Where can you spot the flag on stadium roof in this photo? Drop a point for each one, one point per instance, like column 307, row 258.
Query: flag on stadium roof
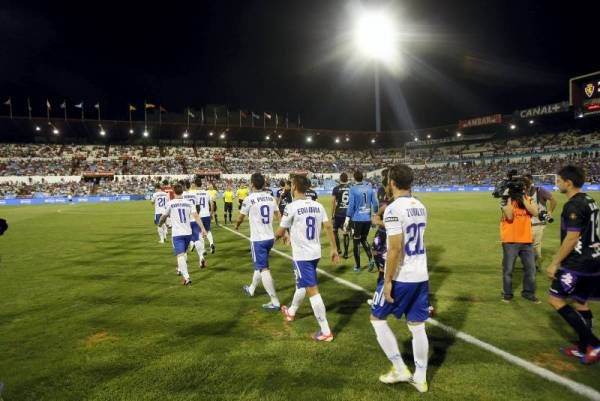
column 8, row 102
column 63, row 105
column 150, row 105
column 79, row 106
column 97, row 105
column 268, row 116
column 48, row 106
column 191, row 114
column 132, row 108
column 162, row 109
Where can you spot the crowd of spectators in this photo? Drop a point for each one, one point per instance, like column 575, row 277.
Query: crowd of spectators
column 451, row 163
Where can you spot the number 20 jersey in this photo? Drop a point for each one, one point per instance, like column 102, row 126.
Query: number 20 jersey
column 304, row 218
column 408, row 216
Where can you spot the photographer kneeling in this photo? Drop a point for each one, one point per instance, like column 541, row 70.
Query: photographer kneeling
column 517, row 237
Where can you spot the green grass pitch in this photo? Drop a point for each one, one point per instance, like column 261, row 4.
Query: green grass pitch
column 91, row 309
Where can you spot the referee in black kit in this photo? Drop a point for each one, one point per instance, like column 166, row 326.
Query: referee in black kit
column 575, row 269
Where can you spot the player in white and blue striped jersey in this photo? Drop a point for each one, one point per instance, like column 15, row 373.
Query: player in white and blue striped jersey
column 404, row 290
column 160, row 200
column 305, row 218
column 260, row 207
column 182, row 213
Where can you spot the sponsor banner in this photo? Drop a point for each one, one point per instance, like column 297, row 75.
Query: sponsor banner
column 480, row 121
column 561, row 107
column 451, row 139
column 63, row 200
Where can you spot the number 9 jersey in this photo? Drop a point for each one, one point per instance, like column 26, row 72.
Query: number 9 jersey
column 304, row 218
column 260, row 208
column 408, row 216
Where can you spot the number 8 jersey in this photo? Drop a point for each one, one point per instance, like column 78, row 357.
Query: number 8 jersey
column 304, row 218
column 408, row 216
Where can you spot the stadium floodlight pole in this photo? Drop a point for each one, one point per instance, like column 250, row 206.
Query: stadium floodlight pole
column 29, row 108
column 377, row 98
column 376, row 38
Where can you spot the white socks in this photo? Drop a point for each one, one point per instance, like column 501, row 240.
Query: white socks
column 210, row 238
column 318, row 308
column 388, row 343
column 420, row 345
column 182, row 266
column 200, row 249
column 267, row 282
column 162, row 232
column 297, row 301
column 255, row 280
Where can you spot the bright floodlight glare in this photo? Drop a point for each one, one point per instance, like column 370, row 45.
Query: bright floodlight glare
column 373, row 140
column 279, row 136
column 55, row 131
column 309, row 139
column 267, row 137
column 513, row 127
column 416, row 139
column 146, row 134
column 347, row 139
column 37, row 128
column 222, row 136
column 185, row 134
column 580, row 115
column 102, row 132
column 428, row 136
column 531, row 122
column 210, row 133
column 131, row 130
column 458, row 134
column 337, row 140
column 376, row 36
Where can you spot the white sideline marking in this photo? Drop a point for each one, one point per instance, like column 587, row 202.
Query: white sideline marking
column 574, row 386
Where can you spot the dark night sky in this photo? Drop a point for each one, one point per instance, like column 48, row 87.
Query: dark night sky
column 473, row 58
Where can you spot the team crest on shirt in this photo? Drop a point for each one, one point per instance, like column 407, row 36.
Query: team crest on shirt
column 573, row 216
column 589, row 90
column 568, row 281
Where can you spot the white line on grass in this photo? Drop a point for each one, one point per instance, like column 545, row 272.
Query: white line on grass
column 576, row 387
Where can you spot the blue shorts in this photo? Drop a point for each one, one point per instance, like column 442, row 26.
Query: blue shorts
column 181, row 244
column 306, row 273
column 157, row 218
column 195, row 231
column 260, row 253
column 206, row 223
column 410, row 299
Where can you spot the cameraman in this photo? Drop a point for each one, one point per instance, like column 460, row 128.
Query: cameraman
column 517, row 238
column 540, row 196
